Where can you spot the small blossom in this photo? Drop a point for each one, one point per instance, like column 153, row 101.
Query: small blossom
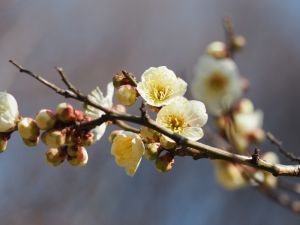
column 97, row 97
column 160, row 86
column 217, row 83
column 9, row 113
column 28, row 128
column 126, row 95
column 229, row 175
column 184, row 117
column 45, row 119
column 128, row 150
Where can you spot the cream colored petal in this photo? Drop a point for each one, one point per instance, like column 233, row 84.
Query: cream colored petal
column 192, row 133
column 196, row 114
column 248, row 122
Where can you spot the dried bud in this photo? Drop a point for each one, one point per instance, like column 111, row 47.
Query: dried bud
column 31, row 142
column 80, row 158
column 149, row 135
column 239, row 42
column 87, row 139
column 152, row 151
column 3, row 143
column 114, row 134
column 217, row 50
column 28, row 128
column 167, row 143
column 119, row 80
column 126, row 95
column 54, row 156
column 154, row 108
column 45, row 119
column 164, row 163
column 54, row 138
column 65, row 112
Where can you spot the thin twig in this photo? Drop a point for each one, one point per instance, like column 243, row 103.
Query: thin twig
column 66, row 81
column 281, row 149
column 130, row 77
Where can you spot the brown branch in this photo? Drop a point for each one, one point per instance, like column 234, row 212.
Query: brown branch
column 130, row 77
column 229, row 36
column 203, row 149
column 66, row 81
column 282, row 150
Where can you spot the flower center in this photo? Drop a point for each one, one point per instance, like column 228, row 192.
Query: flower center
column 176, row 123
column 160, row 92
column 217, row 82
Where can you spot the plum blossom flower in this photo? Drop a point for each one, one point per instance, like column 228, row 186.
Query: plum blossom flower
column 184, row 117
column 160, row 86
column 217, row 83
column 9, row 112
column 97, row 97
column 128, row 149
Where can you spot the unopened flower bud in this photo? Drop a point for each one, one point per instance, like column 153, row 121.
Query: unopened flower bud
column 54, row 156
column 164, row 163
column 80, row 158
column 245, row 106
column 88, row 139
column 54, row 138
column 152, row 151
column 149, row 135
column 167, row 143
column 126, row 95
column 114, row 134
column 3, row 143
column 79, row 115
column 65, row 112
column 45, row 119
column 217, row 50
column 28, row 128
column 32, row 142
column 239, row 42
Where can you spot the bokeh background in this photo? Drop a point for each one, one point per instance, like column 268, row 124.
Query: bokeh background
column 92, row 40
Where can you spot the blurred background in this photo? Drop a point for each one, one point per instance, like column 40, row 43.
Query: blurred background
column 92, row 40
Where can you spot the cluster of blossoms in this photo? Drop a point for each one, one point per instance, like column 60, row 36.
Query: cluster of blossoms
column 163, row 93
column 220, row 86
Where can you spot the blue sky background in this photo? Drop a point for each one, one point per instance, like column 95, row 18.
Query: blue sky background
column 93, row 40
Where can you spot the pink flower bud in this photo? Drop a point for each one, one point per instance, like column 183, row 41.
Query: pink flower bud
column 65, row 112
column 87, row 139
column 45, row 119
column 28, row 128
column 126, row 95
column 54, row 138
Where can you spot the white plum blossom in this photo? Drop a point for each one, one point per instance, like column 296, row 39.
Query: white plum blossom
column 217, row 83
column 9, row 113
column 97, row 97
column 160, row 86
column 184, row 117
column 128, row 149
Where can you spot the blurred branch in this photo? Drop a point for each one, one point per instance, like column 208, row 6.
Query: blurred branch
column 283, row 151
column 199, row 149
